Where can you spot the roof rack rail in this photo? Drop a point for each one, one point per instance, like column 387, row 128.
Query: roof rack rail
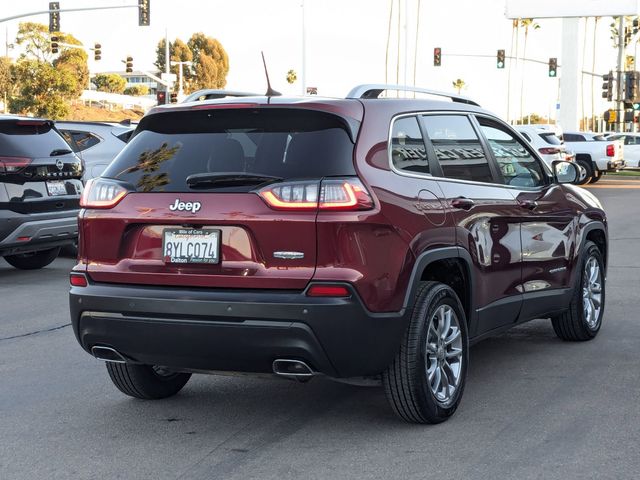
column 374, row 91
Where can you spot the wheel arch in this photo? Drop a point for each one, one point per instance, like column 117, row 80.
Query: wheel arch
column 449, row 265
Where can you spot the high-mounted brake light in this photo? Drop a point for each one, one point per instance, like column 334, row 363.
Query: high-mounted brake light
column 324, row 290
column 328, row 194
column 102, row 193
column 611, row 150
column 13, row 164
column 218, row 106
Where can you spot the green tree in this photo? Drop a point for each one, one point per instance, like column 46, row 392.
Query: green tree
column 42, row 89
column 36, row 40
column 210, row 62
column 137, row 90
column 109, row 82
column 178, row 52
column 7, row 81
column 292, row 76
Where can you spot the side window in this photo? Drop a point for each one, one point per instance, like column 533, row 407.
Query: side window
column 84, row 140
column 457, row 147
column 518, row 167
column 408, row 152
column 69, row 139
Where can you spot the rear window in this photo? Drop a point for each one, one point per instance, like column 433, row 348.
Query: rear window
column 32, row 139
column 550, row 138
column 286, row 143
column 573, row 137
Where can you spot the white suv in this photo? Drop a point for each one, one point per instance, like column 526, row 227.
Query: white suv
column 545, row 141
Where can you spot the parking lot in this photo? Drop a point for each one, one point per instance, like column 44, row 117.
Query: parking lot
column 534, row 406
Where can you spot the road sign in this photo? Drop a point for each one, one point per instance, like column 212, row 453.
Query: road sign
column 169, row 77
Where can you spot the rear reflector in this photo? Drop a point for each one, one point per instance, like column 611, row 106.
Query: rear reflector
column 77, row 280
column 329, row 194
column 102, row 193
column 13, row 164
column 611, row 150
column 23, row 239
column 328, row 291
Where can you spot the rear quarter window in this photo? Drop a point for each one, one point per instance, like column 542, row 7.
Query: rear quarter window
column 286, row 143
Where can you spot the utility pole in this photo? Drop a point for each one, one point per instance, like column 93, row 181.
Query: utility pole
column 620, row 77
column 167, row 61
column 303, row 76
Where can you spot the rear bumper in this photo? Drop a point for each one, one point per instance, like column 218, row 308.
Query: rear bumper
column 22, row 233
column 234, row 330
column 609, row 165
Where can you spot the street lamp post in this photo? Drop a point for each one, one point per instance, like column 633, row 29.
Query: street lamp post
column 181, row 74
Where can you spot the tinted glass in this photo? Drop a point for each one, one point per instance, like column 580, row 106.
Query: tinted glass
column 457, row 147
column 572, row 137
column 550, row 138
column 29, row 140
column 518, row 167
column 407, row 146
column 287, row 143
column 83, row 140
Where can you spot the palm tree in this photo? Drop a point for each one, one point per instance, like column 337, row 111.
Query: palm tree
column 526, row 23
column 514, row 28
column 459, row 84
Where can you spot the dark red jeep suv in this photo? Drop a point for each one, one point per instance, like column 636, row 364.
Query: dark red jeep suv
column 365, row 239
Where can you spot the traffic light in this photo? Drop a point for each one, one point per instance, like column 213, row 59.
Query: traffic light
column 174, row 97
column 97, row 52
column 129, row 68
column 161, row 97
column 54, row 44
column 607, row 86
column 635, row 25
column 54, row 17
column 144, row 13
column 437, row 57
column 631, row 86
column 500, row 59
column 553, row 67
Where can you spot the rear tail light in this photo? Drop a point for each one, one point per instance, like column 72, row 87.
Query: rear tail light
column 102, row 193
column 77, row 280
column 328, row 194
column 549, row 150
column 611, row 150
column 325, row 290
column 13, row 164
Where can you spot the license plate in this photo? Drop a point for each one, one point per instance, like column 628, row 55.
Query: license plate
column 188, row 245
column 56, row 188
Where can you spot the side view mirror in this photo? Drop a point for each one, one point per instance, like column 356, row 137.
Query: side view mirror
column 566, row 172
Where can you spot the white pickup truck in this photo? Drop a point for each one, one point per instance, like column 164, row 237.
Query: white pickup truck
column 596, row 154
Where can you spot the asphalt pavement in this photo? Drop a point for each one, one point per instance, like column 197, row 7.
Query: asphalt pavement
column 534, row 406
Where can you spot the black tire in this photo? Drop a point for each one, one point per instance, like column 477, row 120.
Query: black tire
column 406, row 381
column 588, row 168
column 33, row 260
column 573, row 324
column 145, row 381
column 597, row 175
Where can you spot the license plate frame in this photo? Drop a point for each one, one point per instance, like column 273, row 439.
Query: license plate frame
column 204, row 242
column 56, row 188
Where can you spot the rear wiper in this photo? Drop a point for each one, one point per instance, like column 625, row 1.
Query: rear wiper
column 60, row 151
column 229, row 179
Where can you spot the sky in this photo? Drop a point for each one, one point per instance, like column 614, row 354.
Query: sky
column 346, row 44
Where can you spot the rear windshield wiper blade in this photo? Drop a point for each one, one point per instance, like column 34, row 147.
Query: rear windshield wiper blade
column 229, row 179
column 60, row 151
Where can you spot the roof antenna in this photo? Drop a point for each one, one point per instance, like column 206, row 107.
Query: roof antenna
column 270, row 91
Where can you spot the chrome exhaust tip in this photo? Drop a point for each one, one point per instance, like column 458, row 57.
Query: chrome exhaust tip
column 107, row 354
column 292, row 368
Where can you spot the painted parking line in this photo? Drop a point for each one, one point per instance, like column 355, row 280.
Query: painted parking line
column 621, row 185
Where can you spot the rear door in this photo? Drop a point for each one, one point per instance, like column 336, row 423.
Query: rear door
column 257, row 246
column 486, row 217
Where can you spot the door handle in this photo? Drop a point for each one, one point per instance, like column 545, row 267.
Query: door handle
column 463, row 203
column 528, row 204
